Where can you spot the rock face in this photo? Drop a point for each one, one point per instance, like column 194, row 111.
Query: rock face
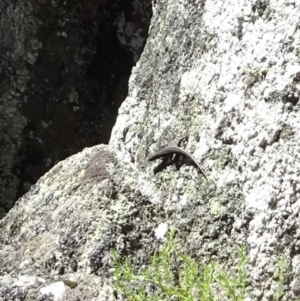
column 64, row 69
column 226, row 76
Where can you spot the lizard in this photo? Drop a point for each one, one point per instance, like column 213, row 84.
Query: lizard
column 173, row 149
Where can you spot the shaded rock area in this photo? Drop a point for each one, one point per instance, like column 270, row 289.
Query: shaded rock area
column 227, row 78
column 64, row 69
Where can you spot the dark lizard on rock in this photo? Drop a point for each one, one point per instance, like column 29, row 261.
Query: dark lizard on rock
column 174, row 150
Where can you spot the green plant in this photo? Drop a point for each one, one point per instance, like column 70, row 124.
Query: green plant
column 175, row 276
column 235, row 286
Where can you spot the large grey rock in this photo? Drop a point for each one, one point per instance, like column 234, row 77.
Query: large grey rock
column 64, row 228
column 227, row 76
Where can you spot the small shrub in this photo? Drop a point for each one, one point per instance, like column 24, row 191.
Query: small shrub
column 174, row 276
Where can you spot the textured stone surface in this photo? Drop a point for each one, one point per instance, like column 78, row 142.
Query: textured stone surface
column 67, row 226
column 228, row 77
